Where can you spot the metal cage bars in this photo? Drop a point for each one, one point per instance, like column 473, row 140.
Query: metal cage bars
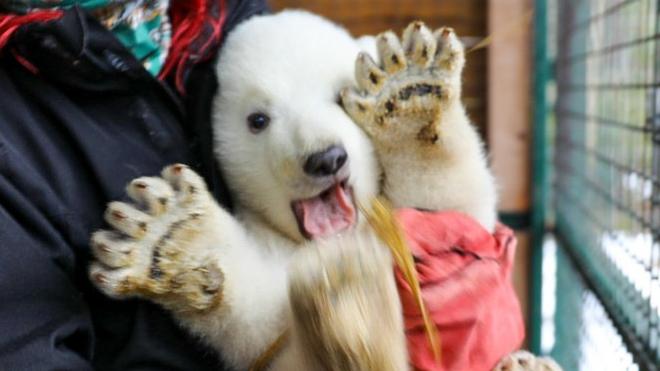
column 607, row 163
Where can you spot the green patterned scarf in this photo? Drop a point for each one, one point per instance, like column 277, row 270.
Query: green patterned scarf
column 141, row 25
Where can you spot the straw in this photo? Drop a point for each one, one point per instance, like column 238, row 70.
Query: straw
column 382, row 220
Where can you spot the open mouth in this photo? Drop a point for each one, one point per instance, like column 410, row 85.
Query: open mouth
column 327, row 213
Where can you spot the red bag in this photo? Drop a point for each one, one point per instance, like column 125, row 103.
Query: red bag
column 465, row 276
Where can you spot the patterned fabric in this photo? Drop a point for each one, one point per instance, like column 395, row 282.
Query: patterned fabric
column 142, row 26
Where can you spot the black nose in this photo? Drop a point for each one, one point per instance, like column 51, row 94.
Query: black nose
column 326, row 162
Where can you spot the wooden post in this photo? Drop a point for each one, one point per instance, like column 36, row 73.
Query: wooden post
column 509, row 123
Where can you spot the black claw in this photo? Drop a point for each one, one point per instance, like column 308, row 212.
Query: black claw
column 103, row 247
column 178, row 168
column 99, row 278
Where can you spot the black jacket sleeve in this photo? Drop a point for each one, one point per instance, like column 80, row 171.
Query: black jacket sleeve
column 63, row 155
column 71, row 137
column 44, row 319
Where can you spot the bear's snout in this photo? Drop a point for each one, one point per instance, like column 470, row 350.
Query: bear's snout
column 327, row 162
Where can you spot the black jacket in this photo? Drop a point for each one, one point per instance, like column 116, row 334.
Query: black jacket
column 71, row 137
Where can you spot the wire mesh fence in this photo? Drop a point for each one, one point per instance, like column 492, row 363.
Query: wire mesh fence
column 586, row 338
column 607, row 179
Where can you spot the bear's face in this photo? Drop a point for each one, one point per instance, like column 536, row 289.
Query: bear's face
column 288, row 150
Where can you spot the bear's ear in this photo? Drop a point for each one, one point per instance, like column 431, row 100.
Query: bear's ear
column 367, row 44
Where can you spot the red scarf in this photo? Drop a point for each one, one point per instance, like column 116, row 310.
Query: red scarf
column 196, row 26
column 465, row 276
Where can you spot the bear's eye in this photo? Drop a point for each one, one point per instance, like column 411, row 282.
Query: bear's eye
column 257, row 122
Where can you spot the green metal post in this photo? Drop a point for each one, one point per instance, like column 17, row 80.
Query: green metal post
column 539, row 172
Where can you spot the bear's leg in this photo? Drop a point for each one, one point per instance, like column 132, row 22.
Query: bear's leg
column 345, row 306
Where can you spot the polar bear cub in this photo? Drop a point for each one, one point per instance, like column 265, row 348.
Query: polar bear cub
column 304, row 135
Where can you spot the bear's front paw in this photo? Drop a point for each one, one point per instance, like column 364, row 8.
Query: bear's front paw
column 416, row 83
column 157, row 248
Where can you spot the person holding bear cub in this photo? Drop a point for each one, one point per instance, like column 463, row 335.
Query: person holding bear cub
column 298, row 166
column 84, row 108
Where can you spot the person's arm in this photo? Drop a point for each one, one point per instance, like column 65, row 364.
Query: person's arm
column 70, row 151
column 44, row 322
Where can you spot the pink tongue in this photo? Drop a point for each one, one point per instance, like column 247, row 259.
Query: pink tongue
column 328, row 214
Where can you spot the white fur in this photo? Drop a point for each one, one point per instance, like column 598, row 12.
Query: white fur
column 292, row 66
